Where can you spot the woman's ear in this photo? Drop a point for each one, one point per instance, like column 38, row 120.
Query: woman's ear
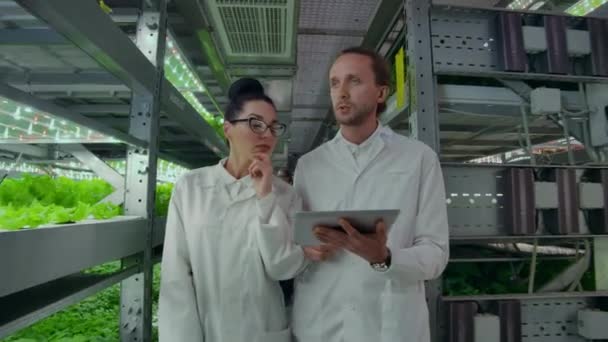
column 226, row 128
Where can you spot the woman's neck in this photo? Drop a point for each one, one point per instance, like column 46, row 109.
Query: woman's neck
column 237, row 166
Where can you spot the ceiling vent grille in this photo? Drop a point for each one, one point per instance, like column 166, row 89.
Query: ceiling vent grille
column 253, row 30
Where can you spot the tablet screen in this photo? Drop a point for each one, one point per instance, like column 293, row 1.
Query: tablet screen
column 362, row 220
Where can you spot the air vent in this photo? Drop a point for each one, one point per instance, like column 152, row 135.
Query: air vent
column 251, row 31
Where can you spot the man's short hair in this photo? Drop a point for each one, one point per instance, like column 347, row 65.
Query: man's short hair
column 379, row 67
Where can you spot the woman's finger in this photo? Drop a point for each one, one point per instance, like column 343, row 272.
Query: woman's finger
column 255, row 171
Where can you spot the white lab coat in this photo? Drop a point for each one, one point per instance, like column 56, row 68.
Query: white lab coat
column 345, row 299
column 224, row 252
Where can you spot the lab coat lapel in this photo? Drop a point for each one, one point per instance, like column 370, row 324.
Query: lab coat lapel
column 246, row 190
column 225, row 184
column 246, row 194
column 343, row 155
column 231, row 189
column 376, row 148
column 341, row 193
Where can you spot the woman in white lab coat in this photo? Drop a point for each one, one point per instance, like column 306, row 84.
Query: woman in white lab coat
column 228, row 239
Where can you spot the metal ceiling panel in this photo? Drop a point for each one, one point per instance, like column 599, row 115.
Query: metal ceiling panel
column 255, row 31
column 315, row 55
column 11, row 14
column 73, row 56
column 470, row 3
column 31, row 57
column 343, row 15
column 325, row 28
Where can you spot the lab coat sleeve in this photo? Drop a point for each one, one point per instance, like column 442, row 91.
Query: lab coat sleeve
column 282, row 258
column 300, row 186
column 429, row 254
column 178, row 316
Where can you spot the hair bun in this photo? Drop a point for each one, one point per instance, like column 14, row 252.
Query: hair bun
column 245, row 86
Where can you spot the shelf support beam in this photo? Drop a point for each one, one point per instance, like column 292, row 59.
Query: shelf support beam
column 136, row 292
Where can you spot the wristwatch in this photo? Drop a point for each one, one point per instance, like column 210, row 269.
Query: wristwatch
column 383, row 266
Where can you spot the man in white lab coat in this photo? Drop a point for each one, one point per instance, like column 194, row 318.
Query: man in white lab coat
column 373, row 288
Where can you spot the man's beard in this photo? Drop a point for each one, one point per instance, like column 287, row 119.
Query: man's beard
column 357, row 118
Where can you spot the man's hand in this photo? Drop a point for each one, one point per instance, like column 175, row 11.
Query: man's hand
column 319, row 253
column 371, row 247
column 261, row 174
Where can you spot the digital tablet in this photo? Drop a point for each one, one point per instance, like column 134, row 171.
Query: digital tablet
column 362, row 220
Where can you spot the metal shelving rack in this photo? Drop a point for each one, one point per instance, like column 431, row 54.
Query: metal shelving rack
column 463, row 104
column 446, row 41
column 41, row 268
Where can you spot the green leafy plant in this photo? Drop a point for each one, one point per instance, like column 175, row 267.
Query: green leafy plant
column 163, row 195
column 95, row 319
column 467, row 279
column 31, row 201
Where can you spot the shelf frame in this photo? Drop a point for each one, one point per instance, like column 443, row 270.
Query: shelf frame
column 32, row 257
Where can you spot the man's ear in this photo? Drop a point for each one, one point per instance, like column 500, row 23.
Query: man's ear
column 383, row 94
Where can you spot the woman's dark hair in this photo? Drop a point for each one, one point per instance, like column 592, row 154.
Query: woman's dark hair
column 241, row 92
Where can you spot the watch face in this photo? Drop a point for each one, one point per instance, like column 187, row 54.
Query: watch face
column 380, row 267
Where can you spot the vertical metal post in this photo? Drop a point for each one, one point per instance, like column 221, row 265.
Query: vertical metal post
column 136, row 292
column 524, row 122
column 600, row 255
column 424, row 115
column 424, row 118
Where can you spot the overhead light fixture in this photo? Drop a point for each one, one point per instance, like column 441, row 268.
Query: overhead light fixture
column 20, row 123
column 584, row 7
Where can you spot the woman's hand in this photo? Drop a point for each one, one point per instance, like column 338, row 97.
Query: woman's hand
column 260, row 171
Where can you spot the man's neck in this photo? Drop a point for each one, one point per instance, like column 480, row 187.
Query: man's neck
column 359, row 134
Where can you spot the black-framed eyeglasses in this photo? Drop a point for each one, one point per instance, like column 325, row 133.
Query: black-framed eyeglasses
column 259, row 127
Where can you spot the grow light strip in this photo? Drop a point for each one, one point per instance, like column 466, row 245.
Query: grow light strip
column 182, row 76
column 520, row 4
column 166, row 171
column 584, row 7
column 22, row 123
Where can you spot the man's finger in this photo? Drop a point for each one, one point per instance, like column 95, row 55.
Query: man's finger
column 332, row 238
column 381, row 228
column 317, row 229
column 330, row 232
column 348, row 228
column 327, row 248
column 321, row 238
